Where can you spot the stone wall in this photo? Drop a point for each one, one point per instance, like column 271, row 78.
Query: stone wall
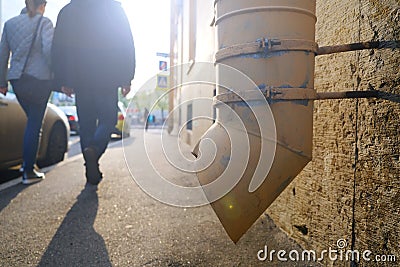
column 351, row 189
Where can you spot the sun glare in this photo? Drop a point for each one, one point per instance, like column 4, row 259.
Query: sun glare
column 150, row 24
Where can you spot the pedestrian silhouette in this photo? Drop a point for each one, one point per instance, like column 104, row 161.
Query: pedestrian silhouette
column 27, row 38
column 146, row 118
column 93, row 54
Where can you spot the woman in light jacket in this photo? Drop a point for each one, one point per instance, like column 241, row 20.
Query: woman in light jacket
column 29, row 74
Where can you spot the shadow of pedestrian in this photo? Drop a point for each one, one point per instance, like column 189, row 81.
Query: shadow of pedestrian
column 76, row 243
column 7, row 195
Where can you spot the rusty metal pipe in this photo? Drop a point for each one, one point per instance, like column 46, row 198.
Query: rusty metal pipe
column 326, row 50
column 289, row 66
column 277, row 52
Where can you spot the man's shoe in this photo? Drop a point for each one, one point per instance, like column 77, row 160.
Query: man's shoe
column 30, row 177
column 93, row 174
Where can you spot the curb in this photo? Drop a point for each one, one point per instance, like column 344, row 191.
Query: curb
column 18, row 180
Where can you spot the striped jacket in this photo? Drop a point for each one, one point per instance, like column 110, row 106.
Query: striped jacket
column 15, row 42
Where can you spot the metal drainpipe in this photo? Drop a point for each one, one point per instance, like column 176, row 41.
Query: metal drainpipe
column 248, row 36
column 1, row 16
column 171, row 95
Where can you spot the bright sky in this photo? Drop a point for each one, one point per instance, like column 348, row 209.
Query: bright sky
column 149, row 19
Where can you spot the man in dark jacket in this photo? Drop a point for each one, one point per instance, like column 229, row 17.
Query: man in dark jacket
column 93, row 55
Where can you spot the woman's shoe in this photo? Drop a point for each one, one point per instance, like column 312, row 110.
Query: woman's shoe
column 30, row 177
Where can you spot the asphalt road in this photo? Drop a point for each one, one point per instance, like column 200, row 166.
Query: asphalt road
column 62, row 222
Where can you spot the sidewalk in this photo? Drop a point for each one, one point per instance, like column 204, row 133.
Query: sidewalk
column 60, row 222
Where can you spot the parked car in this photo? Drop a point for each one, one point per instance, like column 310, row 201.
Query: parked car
column 54, row 138
column 123, row 127
column 72, row 115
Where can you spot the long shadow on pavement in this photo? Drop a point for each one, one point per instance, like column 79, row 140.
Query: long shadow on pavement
column 76, row 243
column 7, row 195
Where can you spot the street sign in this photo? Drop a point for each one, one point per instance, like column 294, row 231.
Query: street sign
column 162, row 81
column 162, row 54
column 163, row 66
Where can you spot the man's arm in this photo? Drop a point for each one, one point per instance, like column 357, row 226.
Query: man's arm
column 125, row 90
column 62, row 56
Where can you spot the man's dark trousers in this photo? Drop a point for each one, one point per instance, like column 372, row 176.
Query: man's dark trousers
column 97, row 113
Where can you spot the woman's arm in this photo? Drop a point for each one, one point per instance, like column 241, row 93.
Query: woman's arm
column 47, row 34
column 4, row 59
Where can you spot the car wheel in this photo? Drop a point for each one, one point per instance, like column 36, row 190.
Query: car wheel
column 57, row 146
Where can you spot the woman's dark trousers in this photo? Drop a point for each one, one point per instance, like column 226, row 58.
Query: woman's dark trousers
column 33, row 97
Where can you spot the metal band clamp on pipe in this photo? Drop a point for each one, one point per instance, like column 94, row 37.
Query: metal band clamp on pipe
column 266, row 46
column 271, row 94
